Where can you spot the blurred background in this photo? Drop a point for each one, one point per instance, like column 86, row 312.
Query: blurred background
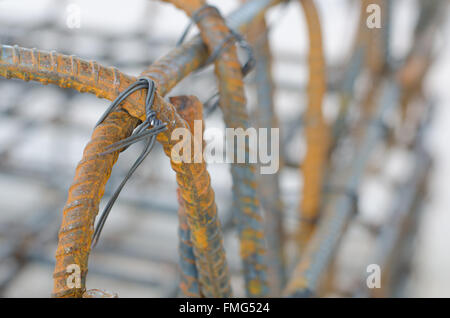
column 43, row 131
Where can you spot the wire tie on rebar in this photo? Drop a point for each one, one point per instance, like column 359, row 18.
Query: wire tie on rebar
column 197, row 16
column 147, row 130
column 206, row 10
column 212, row 103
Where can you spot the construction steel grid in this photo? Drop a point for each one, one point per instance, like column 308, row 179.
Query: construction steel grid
column 325, row 211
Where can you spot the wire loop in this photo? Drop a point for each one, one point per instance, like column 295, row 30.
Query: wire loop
column 143, row 131
column 203, row 12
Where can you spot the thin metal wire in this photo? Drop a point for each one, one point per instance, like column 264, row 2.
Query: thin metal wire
column 234, row 35
column 212, row 102
column 140, row 133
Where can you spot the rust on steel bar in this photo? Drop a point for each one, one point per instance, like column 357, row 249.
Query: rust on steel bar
column 93, row 170
column 338, row 209
column 191, row 110
column 199, row 205
column 268, row 185
column 85, row 193
column 215, row 32
column 341, row 205
column 84, row 76
column 316, row 129
column 198, row 200
column 189, row 285
column 88, row 76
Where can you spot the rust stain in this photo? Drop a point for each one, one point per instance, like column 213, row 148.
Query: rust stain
column 213, row 31
column 316, row 129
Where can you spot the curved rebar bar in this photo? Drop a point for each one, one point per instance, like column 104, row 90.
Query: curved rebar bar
column 214, row 32
column 193, row 283
column 84, row 76
column 105, row 82
column 316, row 129
column 196, row 198
column 198, row 201
column 93, row 171
column 190, row 109
column 77, row 227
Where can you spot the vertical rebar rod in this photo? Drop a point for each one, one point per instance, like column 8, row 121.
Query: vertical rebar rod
column 214, row 32
column 316, row 129
column 269, row 184
column 191, row 110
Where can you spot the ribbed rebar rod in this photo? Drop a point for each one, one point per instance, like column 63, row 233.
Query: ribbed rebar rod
column 189, row 285
column 93, row 170
column 421, row 56
column 84, row 76
column 214, row 32
column 76, row 230
column 85, row 193
column 105, row 82
column 198, row 202
column 316, row 129
column 191, row 110
column 269, row 184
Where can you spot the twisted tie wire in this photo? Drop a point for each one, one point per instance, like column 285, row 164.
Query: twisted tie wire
column 142, row 132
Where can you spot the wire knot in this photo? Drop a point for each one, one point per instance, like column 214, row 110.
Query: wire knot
column 147, row 130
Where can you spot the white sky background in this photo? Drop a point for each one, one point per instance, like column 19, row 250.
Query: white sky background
column 339, row 19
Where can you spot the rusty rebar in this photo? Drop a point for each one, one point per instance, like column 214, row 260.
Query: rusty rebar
column 198, row 200
column 192, row 111
column 93, row 170
column 189, row 285
column 85, row 193
column 84, row 76
column 200, row 207
column 268, row 185
column 316, row 129
column 214, row 32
